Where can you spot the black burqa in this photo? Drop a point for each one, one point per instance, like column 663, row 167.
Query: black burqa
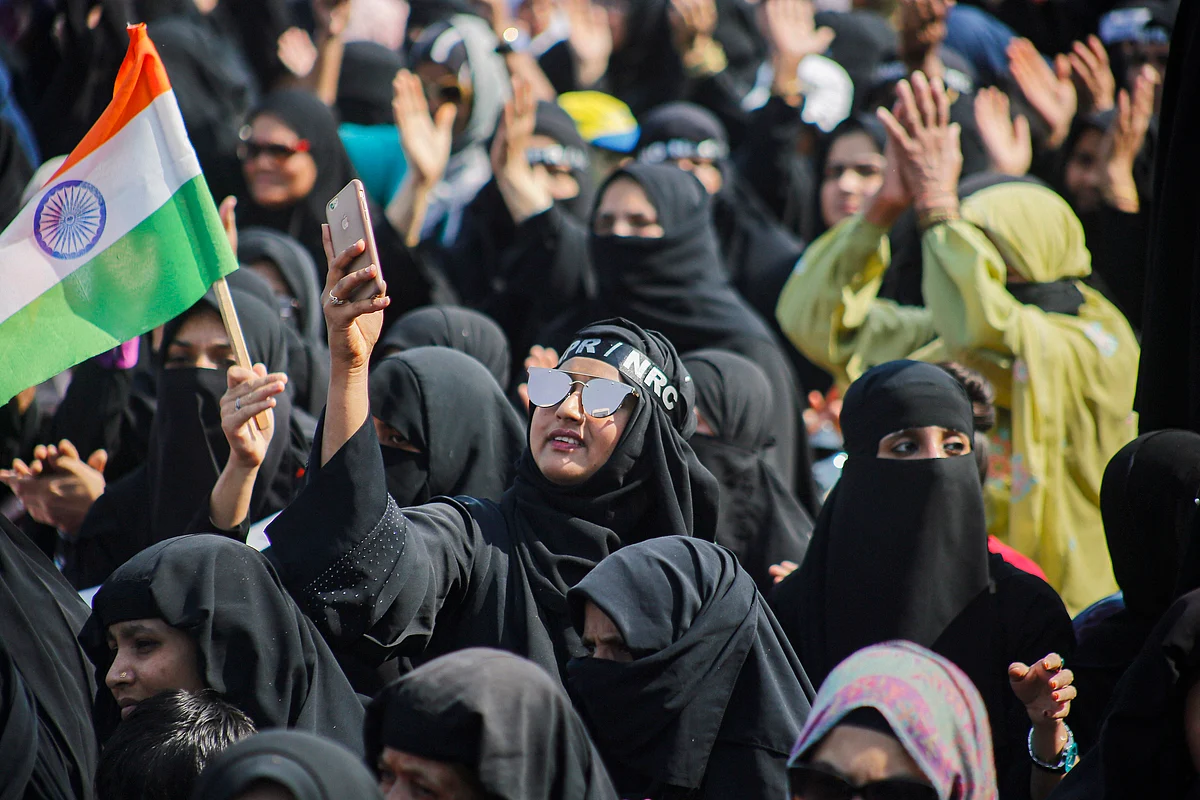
column 1168, row 392
column 461, row 329
column 449, row 407
column 308, row 351
column 457, row 573
column 256, row 648
column 499, row 716
column 169, row 494
column 15, row 172
column 313, row 121
column 900, row 547
column 677, row 285
column 310, row 767
column 714, row 698
column 47, row 747
column 1148, row 501
column 759, row 518
column 1143, row 749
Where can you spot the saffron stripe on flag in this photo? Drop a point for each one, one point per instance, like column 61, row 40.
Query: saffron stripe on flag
column 134, row 285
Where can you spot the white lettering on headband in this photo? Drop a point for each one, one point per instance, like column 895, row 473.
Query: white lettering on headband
column 630, row 362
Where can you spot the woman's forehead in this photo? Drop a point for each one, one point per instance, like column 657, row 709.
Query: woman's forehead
column 590, row 366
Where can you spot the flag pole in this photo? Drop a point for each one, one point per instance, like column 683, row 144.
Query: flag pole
column 233, row 329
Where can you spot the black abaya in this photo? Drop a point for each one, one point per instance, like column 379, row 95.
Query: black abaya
column 255, row 647
column 759, row 518
column 448, row 406
column 462, row 572
column 47, row 747
column 676, row 284
column 714, row 698
column 501, row 717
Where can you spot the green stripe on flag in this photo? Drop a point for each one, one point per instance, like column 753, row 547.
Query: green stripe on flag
column 147, row 277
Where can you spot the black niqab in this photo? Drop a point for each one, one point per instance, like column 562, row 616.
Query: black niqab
column 310, row 767
column 462, row 329
column 677, row 284
column 449, row 407
column 652, row 485
column 712, row 684
column 500, row 716
column 900, row 547
column 47, row 747
column 759, row 518
column 255, row 647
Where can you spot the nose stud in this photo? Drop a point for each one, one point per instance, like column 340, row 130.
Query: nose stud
column 124, row 675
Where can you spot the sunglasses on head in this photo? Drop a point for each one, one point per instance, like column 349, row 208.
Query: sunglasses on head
column 601, row 397
column 249, row 150
column 817, row 782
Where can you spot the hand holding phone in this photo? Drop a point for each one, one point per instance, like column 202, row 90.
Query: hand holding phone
column 350, row 220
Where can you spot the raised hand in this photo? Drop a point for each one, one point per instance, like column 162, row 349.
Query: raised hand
column 250, row 392
column 58, row 488
column 538, row 357
column 297, row 52
column 331, row 16
column 1090, row 62
column 1007, row 140
column 426, row 139
column 354, row 325
column 781, row 570
column 524, row 194
column 927, row 148
column 1051, row 92
column 590, row 39
column 792, row 35
column 1126, row 137
column 692, row 22
column 922, row 28
column 1044, row 689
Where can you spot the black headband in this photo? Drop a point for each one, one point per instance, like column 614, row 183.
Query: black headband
column 633, row 364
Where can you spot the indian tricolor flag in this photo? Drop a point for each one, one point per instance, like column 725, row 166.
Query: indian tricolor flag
column 123, row 238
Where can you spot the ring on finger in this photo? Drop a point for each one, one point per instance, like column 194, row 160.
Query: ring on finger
column 337, row 301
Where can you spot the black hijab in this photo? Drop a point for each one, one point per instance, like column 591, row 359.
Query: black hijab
column 652, row 485
column 308, row 766
column 462, row 329
column 47, row 746
column 864, row 124
column 364, row 94
column 677, row 284
column 15, row 172
column 169, row 494
column 311, row 120
column 298, row 270
column 255, row 647
column 448, row 406
column 712, row 679
column 1143, row 750
column 552, row 121
column 500, row 716
column 759, row 518
column 900, row 548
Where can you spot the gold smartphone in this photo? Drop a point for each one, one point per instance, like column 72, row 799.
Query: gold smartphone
column 350, row 220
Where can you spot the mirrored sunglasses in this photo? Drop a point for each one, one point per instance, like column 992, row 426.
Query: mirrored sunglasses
column 814, row 782
column 601, row 397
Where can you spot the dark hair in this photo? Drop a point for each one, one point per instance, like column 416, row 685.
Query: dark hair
column 983, row 409
column 159, row 750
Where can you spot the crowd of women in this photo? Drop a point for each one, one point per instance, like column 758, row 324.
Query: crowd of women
column 749, row 412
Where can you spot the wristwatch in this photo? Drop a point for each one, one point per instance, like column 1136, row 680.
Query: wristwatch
column 1066, row 761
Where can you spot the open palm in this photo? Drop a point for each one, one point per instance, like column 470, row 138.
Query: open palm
column 426, row 139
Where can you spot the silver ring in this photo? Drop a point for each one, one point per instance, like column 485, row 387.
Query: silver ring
column 337, row 301
column 237, row 404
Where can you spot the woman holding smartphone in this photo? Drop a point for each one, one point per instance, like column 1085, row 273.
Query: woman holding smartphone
column 606, row 464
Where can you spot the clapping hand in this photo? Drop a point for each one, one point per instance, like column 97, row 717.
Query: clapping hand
column 924, row 143
column 1090, row 62
column 1125, row 138
column 1051, row 92
column 792, row 34
column 692, row 22
column 58, row 487
column 1007, row 140
column 426, row 139
column 590, row 39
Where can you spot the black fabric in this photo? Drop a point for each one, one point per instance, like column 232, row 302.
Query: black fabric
column 460, row 573
column 921, row 521
column 364, row 94
column 676, row 284
column 501, row 717
column 714, row 698
column 47, row 747
column 15, row 172
column 1148, row 500
column 447, row 405
column 169, row 494
column 1143, row 750
column 408, row 285
column 308, row 352
column 255, row 647
column 550, row 120
column 460, row 329
column 1168, row 393
column 1059, row 297
column 310, row 767
column 759, row 518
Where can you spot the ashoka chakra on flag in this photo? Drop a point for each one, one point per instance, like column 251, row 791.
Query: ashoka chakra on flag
column 70, row 219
